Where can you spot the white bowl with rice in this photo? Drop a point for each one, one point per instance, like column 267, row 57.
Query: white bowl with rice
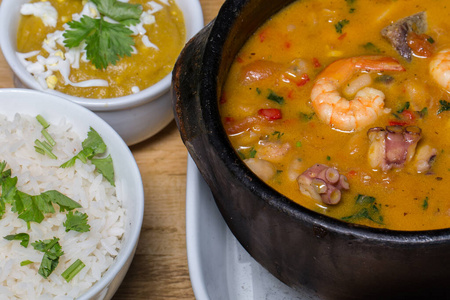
column 136, row 117
column 114, row 214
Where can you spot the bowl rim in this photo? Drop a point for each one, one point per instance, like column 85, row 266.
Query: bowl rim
column 128, row 248
column 228, row 17
column 193, row 19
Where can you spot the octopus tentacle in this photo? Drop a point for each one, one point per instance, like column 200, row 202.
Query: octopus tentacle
column 323, row 183
column 392, row 147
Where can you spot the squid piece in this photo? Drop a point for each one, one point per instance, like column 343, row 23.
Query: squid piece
column 323, row 183
column 397, row 32
column 392, row 147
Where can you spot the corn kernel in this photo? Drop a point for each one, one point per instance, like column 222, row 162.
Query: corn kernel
column 51, row 81
column 59, row 53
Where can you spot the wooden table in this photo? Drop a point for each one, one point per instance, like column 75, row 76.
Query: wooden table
column 159, row 269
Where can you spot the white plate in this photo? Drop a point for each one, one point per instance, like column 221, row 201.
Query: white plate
column 219, row 267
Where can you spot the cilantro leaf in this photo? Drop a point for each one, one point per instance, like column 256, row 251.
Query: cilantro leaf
column 125, row 13
column 108, row 44
column 105, row 42
column 80, row 31
column 95, row 142
column 76, row 221
column 8, row 189
column 92, row 146
column 105, row 167
column 23, row 237
column 64, row 202
column 30, row 208
column 52, row 252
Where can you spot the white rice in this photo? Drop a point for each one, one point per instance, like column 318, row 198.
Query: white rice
column 37, row 173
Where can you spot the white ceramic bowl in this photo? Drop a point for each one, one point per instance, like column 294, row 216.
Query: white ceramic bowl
column 135, row 117
column 126, row 171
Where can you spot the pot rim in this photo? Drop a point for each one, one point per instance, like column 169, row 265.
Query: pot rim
column 208, row 92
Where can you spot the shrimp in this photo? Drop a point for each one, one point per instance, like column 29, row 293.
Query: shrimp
column 440, row 68
column 368, row 104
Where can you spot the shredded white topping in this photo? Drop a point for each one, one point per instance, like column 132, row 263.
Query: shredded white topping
column 43, row 10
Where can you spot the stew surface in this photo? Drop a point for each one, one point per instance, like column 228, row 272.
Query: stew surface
column 343, row 106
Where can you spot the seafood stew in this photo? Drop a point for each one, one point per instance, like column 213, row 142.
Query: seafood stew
column 345, row 117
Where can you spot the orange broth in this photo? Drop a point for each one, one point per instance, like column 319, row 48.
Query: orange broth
column 308, row 31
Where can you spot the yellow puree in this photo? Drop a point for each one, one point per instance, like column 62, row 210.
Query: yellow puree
column 143, row 69
column 407, row 200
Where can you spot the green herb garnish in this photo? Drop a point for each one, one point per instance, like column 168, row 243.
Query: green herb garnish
column 252, row 153
column 278, row 134
column 42, row 121
column 105, row 42
column 366, row 209
column 425, row 203
column 339, row 25
column 45, row 147
column 445, row 106
column 76, row 221
column 30, row 208
column 24, row 238
column 73, row 270
column 93, row 145
column 371, row 47
column 26, row 262
column 424, row 112
column 52, row 252
column 306, row 117
column 274, row 97
column 404, row 107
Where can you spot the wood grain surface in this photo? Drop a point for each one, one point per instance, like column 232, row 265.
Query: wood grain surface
column 159, row 269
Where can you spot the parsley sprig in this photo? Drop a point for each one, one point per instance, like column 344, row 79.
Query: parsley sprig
column 106, row 42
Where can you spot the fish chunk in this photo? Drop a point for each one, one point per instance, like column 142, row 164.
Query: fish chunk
column 397, row 32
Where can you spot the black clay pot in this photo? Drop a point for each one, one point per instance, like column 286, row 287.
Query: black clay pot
column 303, row 249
